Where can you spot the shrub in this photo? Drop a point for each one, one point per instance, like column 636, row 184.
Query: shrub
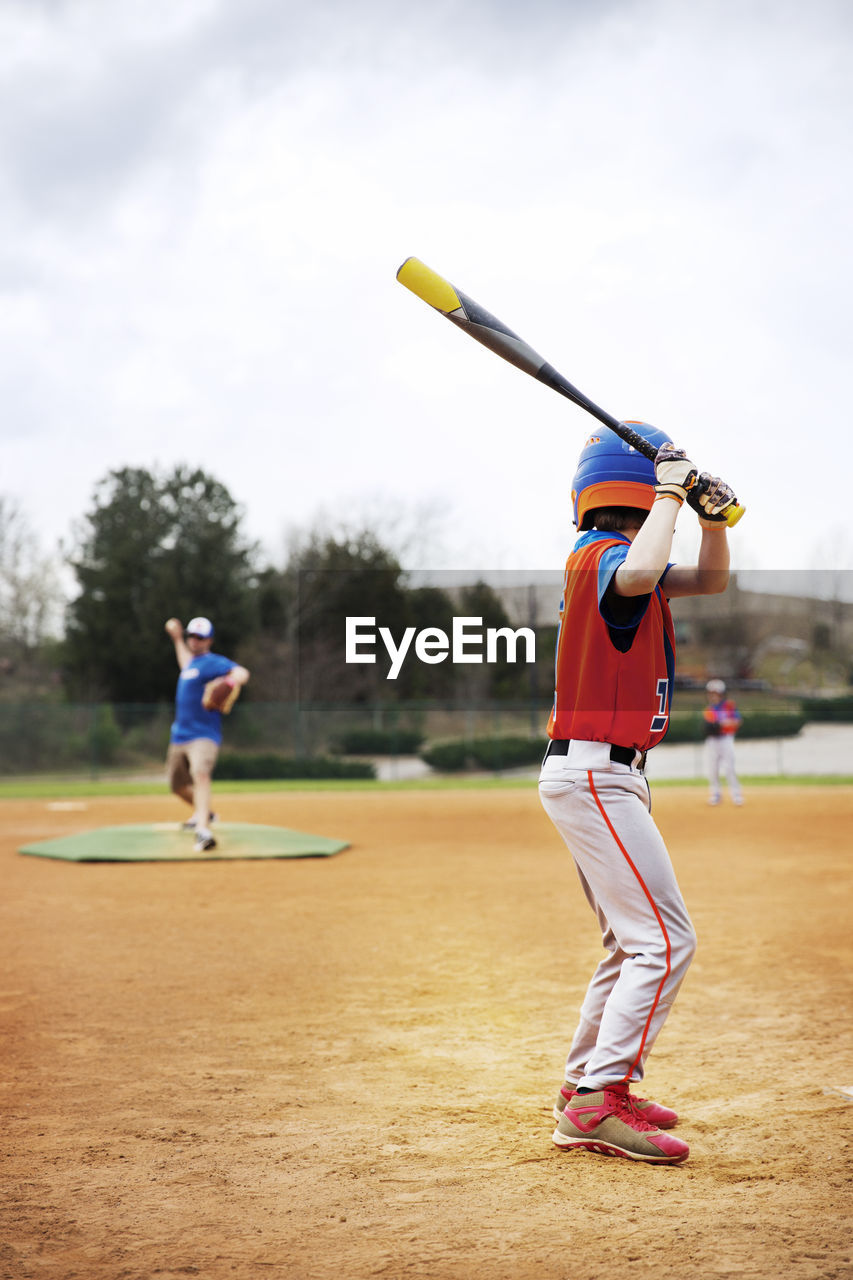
column 507, row 753
column 378, row 742
column 771, row 724
column 104, row 734
column 690, row 726
column 484, row 753
column 839, row 710
column 447, row 757
column 44, row 735
column 271, row 766
column 686, row 727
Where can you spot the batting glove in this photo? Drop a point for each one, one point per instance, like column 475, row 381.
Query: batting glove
column 712, row 499
column 674, row 471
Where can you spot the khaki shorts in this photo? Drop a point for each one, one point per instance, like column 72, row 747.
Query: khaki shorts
column 186, row 759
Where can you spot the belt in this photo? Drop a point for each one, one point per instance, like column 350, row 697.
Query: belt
column 622, row 755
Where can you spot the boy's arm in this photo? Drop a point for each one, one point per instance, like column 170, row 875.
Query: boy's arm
column 710, row 575
column 175, row 630
column 650, row 548
column 649, row 552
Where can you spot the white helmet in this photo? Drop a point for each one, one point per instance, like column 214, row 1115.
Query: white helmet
column 715, row 686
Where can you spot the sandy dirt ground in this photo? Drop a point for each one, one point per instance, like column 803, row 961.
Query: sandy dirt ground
column 345, row 1067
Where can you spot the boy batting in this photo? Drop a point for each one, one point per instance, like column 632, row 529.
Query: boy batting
column 615, row 665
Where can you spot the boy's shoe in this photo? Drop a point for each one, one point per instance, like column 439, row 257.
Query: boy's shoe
column 189, row 825
column 203, row 841
column 608, row 1123
column 661, row 1117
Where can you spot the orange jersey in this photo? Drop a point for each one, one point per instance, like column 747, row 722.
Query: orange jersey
column 613, row 673
column 722, row 719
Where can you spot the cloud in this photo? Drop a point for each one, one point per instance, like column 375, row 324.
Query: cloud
column 203, row 206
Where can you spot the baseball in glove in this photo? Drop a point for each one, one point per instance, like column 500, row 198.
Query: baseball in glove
column 220, row 695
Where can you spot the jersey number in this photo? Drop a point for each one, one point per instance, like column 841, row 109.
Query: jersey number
column 659, row 722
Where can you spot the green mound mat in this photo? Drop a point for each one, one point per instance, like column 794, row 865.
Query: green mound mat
column 165, row 842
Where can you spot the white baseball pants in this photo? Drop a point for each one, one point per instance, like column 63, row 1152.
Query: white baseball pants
column 601, row 809
column 720, row 759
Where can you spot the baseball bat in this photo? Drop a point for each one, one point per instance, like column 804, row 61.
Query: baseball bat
column 480, row 324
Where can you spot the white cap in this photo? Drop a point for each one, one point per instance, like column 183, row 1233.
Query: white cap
column 201, row 627
column 715, row 686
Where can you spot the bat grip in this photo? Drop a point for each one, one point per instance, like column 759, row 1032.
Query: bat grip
column 636, row 441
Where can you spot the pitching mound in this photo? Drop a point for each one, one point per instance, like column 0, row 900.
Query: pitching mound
column 164, row 842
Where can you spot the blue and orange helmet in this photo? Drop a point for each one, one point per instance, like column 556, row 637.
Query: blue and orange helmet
column 612, row 474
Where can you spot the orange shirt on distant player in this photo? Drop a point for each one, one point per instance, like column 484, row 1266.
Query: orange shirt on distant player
column 723, row 719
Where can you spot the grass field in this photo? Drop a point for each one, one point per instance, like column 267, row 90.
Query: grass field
column 74, row 787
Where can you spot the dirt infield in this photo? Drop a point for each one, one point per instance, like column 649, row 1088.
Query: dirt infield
column 345, row 1067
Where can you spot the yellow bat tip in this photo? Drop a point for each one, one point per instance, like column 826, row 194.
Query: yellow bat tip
column 429, row 286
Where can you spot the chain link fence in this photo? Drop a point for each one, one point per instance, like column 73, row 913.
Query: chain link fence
column 94, row 740
column 43, row 737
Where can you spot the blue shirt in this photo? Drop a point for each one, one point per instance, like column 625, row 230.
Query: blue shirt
column 191, row 719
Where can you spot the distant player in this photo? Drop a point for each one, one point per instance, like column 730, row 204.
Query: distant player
column 722, row 721
column 197, row 732
column 615, row 664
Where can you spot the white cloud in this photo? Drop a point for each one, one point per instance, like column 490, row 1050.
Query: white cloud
column 205, row 204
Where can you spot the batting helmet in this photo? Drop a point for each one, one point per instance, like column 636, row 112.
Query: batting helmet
column 612, row 474
column 715, row 686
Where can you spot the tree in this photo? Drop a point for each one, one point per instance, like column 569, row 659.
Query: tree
column 151, row 547
column 29, row 588
column 30, row 603
column 328, row 579
column 501, row 679
column 428, row 607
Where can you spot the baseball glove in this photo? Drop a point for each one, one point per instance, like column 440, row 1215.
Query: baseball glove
column 220, row 695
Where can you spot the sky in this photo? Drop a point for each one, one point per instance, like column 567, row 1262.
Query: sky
column 203, row 205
